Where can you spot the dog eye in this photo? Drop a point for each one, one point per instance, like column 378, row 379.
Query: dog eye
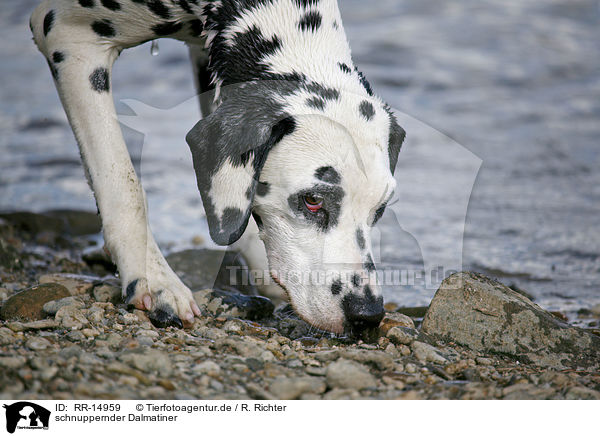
column 313, row 203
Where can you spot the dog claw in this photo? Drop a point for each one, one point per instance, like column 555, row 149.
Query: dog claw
column 195, row 309
column 147, row 302
column 161, row 319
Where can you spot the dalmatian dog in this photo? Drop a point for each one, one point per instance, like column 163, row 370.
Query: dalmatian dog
column 292, row 140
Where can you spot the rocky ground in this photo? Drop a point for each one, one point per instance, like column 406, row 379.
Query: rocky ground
column 66, row 334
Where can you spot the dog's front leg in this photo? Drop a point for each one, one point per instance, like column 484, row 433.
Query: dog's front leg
column 81, row 62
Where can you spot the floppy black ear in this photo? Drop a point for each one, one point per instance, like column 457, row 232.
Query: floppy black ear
column 397, row 135
column 229, row 149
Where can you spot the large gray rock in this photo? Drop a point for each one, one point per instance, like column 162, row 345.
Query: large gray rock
column 484, row 315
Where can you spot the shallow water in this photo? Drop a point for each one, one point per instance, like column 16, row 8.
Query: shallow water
column 513, row 85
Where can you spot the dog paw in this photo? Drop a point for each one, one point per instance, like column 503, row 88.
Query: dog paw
column 168, row 302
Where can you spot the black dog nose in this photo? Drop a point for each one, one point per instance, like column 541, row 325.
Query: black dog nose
column 362, row 313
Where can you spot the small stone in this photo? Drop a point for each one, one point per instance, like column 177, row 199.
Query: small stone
column 350, row 375
column 37, row 343
column 75, row 336
column 427, row 353
column 90, row 333
column 71, row 317
column 7, row 336
column 327, row 356
column 410, row 368
column 235, row 326
column 106, row 293
column 129, row 319
column 28, row 304
column 12, row 362
column 69, row 352
column 51, row 307
column 285, row 388
column 395, row 319
column 152, row 361
column 582, row 393
column 207, row 367
column 95, row 315
column 402, row 335
column 76, row 284
column 484, row 361
column 47, row 374
column 379, row 359
column 316, row 370
column 40, row 324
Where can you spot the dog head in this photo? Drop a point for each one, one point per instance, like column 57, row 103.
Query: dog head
column 315, row 169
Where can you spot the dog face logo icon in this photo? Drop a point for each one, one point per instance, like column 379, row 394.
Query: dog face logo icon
column 26, row 415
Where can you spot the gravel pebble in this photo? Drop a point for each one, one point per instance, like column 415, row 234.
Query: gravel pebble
column 292, row 388
column 349, row 375
column 427, row 353
column 36, row 343
column 51, row 307
column 152, row 361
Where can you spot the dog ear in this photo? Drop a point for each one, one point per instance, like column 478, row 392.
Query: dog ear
column 229, row 149
column 397, row 135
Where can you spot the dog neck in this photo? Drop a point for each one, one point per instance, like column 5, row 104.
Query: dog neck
column 283, row 40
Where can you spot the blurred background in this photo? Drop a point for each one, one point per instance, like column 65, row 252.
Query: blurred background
column 499, row 173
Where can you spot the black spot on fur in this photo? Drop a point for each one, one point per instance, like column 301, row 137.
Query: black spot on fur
column 369, row 265
column 316, row 102
column 100, row 80
column 306, row 3
column 345, row 68
column 164, row 29
column 87, row 3
column 111, row 4
column 322, row 91
column 336, row 25
column 231, row 216
column 48, row 22
column 367, row 110
column 258, row 220
column 58, row 57
column 396, row 138
column 379, row 213
column 53, row 70
column 262, row 189
column 356, row 280
column 242, row 60
column 369, row 293
column 360, row 238
column 328, row 175
column 130, row 291
column 310, row 21
column 196, row 28
column 365, row 83
column 104, row 28
column 185, row 6
column 159, row 9
column 336, row 287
